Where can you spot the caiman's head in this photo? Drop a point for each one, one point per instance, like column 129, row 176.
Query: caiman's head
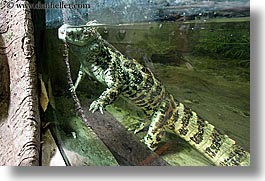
column 78, row 35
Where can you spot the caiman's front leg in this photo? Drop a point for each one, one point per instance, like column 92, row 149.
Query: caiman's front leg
column 81, row 75
column 109, row 95
column 106, row 98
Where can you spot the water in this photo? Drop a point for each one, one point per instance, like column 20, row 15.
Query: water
column 203, row 62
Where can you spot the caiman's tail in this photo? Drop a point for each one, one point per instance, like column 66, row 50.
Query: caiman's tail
column 219, row 148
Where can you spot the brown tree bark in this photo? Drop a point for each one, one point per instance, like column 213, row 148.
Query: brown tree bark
column 19, row 118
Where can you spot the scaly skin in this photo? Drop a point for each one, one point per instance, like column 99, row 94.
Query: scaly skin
column 126, row 77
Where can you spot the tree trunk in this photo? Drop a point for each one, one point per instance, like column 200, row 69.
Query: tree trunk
column 19, row 115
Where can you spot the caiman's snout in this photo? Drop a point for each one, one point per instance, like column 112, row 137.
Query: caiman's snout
column 62, row 32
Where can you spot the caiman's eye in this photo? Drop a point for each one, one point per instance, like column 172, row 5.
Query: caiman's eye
column 85, row 33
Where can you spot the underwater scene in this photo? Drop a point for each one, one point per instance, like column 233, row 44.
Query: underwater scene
column 169, row 85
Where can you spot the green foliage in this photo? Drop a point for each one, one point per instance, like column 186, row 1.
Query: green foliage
column 226, row 40
column 160, row 40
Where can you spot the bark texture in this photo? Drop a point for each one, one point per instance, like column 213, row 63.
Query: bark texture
column 19, row 115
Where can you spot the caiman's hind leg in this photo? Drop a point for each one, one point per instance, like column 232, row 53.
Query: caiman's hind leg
column 158, row 122
column 155, row 131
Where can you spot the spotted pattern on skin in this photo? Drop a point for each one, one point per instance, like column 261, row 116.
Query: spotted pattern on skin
column 126, row 77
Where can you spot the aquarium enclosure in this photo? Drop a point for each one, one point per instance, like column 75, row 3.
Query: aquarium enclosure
column 162, row 82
